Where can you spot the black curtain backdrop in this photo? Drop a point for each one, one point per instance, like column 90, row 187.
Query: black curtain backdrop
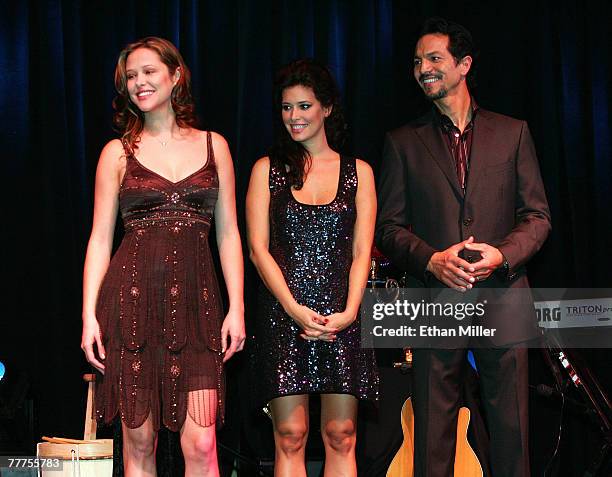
column 546, row 62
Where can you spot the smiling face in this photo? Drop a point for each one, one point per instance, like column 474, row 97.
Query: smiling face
column 436, row 70
column 149, row 82
column 303, row 115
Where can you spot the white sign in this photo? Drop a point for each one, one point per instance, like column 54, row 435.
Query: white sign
column 574, row 313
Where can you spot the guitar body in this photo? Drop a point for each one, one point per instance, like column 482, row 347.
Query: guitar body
column 402, row 464
column 466, row 462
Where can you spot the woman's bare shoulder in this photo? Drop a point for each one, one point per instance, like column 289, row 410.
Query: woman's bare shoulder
column 364, row 170
column 218, row 141
column 113, row 148
column 262, row 163
column 113, row 154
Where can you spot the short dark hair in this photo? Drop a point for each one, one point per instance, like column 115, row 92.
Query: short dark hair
column 460, row 42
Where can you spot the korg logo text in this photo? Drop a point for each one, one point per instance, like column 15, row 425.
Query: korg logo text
column 548, row 314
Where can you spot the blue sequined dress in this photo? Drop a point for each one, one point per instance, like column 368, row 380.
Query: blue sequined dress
column 312, row 245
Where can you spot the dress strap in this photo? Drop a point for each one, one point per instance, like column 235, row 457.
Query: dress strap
column 129, row 153
column 348, row 177
column 210, row 152
column 277, row 176
column 130, row 161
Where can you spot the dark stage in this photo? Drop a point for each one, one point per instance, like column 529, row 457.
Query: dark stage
column 547, row 63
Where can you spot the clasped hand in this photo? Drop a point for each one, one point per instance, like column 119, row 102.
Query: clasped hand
column 459, row 274
column 317, row 327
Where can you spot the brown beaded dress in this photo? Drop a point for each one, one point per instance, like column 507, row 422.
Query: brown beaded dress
column 159, row 305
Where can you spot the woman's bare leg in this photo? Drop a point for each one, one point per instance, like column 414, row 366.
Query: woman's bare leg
column 198, row 435
column 339, row 432
column 290, row 420
column 139, row 450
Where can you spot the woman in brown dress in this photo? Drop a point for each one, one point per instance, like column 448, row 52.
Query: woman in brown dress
column 152, row 316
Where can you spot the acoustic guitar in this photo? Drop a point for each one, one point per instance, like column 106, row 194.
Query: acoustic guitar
column 466, row 462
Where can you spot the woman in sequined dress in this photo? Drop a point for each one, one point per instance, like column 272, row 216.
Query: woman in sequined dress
column 152, row 316
column 310, row 222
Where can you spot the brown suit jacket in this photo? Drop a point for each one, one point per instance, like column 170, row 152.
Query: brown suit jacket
column 422, row 208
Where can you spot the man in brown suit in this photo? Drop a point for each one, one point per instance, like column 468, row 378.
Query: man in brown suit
column 462, row 205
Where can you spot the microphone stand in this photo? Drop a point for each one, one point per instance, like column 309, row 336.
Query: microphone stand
column 595, row 398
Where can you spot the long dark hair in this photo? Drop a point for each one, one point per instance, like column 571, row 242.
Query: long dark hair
column 128, row 118
column 314, row 75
